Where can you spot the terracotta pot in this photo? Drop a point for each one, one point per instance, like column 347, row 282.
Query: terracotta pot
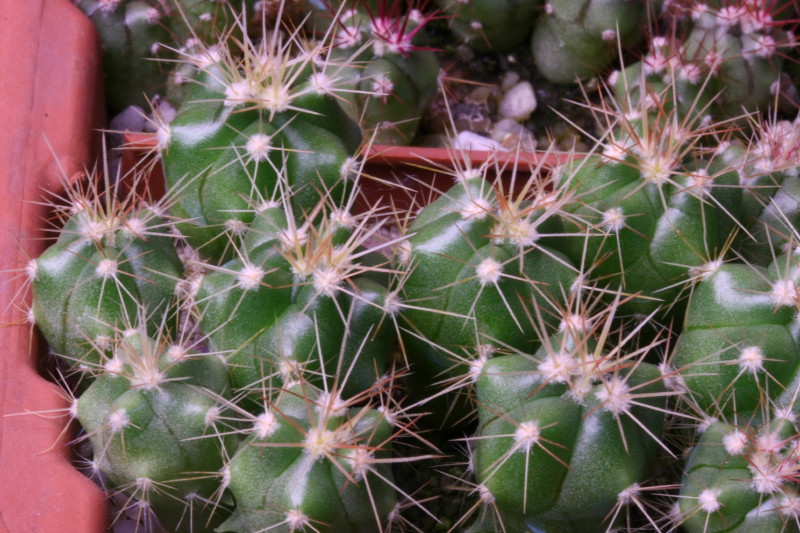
column 51, row 96
column 394, row 175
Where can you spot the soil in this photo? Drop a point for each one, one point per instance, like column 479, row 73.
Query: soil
column 472, row 86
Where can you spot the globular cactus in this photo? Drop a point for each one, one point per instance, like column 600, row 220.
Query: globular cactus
column 740, row 46
column 256, row 112
column 771, row 188
column 576, row 40
column 314, row 461
column 151, row 416
column 310, row 296
column 658, row 207
column 139, row 39
column 262, row 355
column 738, row 347
column 476, row 255
column 208, row 20
column 110, row 257
column 131, row 34
column 722, row 58
column 393, row 77
column 490, row 25
column 742, row 477
column 567, row 433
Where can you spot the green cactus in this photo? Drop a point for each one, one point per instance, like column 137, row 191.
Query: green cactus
column 564, row 435
column 740, row 45
column 490, row 25
column 654, row 206
column 314, row 461
column 247, row 124
column 139, row 42
column 151, row 418
column 257, row 355
column 737, row 349
column 300, row 297
column 131, row 34
column 723, row 58
column 477, row 255
column 771, row 186
column 394, row 77
column 111, row 257
column 576, row 40
column 740, row 478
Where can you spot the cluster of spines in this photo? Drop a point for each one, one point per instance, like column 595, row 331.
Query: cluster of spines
column 586, row 359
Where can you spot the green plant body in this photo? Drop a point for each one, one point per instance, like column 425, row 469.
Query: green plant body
column 475, row 260
column 248, row 124
column 490, row 25
column 392, row 76
column 738, row 478
column 564, row 434
column 577, row 39
column 313, row 462
column 299, row 298
column 738, row 348
column 151, row 420
column 89, row 284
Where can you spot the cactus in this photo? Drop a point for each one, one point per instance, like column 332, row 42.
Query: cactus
column 476, row 254
column 294, row 292
column 738, row 349
column 314, row 461
column 655, row 204
column 740, row 45
column 245, row 115
column 138, row 40
column 110, row 257
column 566, row 432
column 576, row 40
column 729, row 55
column 771, row 187
column 741, row 477
column 394, row 77
column 131, row 33
column 256, row 354
column 152, row 425
column 496, row 26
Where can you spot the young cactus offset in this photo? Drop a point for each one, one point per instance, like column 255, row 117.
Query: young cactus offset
column 151, row 416
column 111, row 257
column 314, row 461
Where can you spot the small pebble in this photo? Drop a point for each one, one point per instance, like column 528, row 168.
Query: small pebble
column 467, row 140
column 519, row 102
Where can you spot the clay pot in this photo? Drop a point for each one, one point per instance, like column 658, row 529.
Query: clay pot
column 51, row 96
column 402, row 176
